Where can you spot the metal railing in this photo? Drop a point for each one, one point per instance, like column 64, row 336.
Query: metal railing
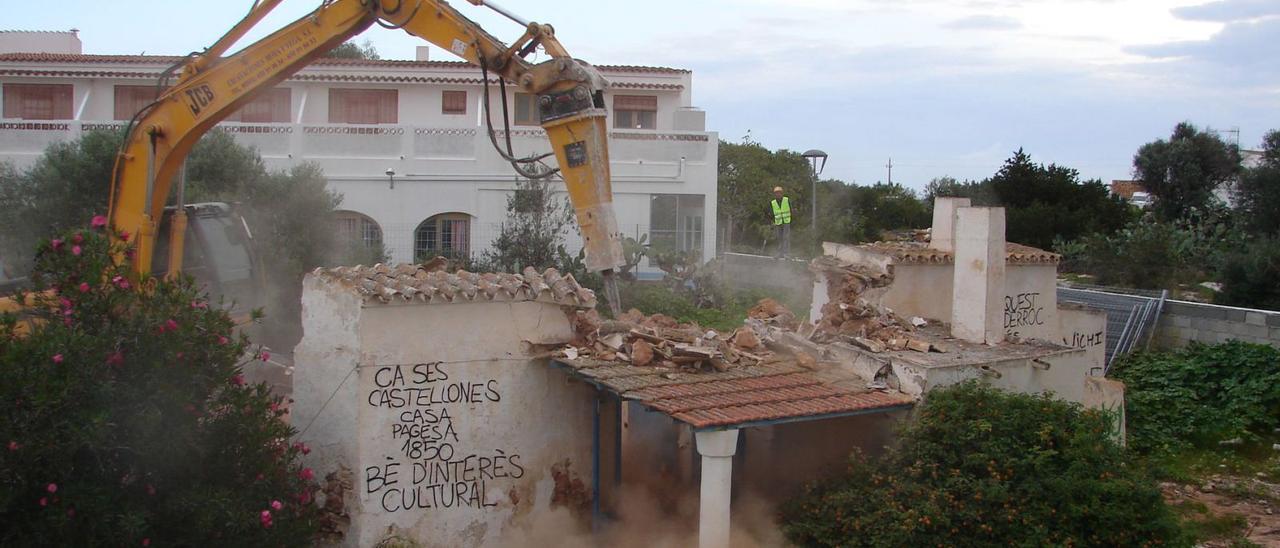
column 1131, row 314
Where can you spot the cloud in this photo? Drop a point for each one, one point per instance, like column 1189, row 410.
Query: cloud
column 1244, row 51
column 984, row 22
column 1226, row 11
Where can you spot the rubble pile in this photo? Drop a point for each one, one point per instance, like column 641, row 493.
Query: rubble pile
column 851, row 318
column 658, row 340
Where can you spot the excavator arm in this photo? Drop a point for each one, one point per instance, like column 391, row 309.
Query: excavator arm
column 211, row 87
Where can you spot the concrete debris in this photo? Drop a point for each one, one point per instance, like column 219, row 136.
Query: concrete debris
column 661, row 341
column 772, row 311
column 918, row 345
column 745, row 339
column 641, row 353
column 917, row 321
column 868, row 344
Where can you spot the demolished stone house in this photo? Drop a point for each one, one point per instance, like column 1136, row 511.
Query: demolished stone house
column 457, row 408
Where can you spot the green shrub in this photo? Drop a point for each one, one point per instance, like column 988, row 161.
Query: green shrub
column 1200, row 395
column 981, row 467
column 1154, row 254
column 127, row 420
column 1251, row 276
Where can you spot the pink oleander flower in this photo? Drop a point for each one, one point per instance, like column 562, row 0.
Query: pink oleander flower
column 56, row 244
column 266, row 356
column 265, row 518
column 84, row 287
column 276, row 505
column 65, row 302
column 171, row 325
column 306, row 474
column 44, row 501
column 120, row 282
column 14, row 446
column 57, row 358
column 51, row 488
column 302, row 448
column 237, row 380
column 75, row 250
column 222, row 340
column 129, row 254
column 124, row 235
column 76, row 238
column 116, row 358
column 98, row 221
column 146, row 542
column 199, row 305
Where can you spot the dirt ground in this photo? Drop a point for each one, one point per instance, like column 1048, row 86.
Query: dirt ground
column 1225, row 499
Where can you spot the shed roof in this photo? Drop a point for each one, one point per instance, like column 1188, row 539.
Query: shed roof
column 409, row 283
column 742, row 396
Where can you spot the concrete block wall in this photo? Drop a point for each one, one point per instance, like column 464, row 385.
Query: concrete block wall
column 1182, row 322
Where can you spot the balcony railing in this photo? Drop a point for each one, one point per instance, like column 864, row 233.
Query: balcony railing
column 341, row 149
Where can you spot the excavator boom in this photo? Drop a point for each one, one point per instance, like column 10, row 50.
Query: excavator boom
column 211, row 87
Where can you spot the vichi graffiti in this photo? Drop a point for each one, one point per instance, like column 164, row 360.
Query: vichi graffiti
column 1084, row 340
column 428, row 469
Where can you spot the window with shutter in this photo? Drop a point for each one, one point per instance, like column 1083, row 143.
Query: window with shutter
column 453, row 102
column 363, row 106
column 270, row 107
column 129, row 100
column 38, row 101
column 635, row 112
column 526, row 110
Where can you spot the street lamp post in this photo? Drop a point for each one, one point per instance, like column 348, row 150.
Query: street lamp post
column 813, row 155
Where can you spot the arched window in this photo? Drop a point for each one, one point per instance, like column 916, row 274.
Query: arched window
column 358, row 227
column 446, row 234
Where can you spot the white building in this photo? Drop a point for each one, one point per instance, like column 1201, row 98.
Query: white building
column 421, row 119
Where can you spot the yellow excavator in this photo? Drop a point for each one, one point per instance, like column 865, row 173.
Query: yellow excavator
column 210, row 87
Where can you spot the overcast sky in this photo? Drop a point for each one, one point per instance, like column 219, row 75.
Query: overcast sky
column 944, row 87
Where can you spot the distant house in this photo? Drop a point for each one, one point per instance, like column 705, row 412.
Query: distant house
column 1126, row 188
column 421, row 119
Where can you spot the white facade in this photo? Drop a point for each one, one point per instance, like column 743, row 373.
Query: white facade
column 664, row 176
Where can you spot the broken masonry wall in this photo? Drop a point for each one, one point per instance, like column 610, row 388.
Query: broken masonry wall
column 453, row 433
column 1031, row 302
column 1080, row 326
column 920, row 290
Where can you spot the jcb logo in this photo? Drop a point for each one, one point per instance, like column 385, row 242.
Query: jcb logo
column 199, row 98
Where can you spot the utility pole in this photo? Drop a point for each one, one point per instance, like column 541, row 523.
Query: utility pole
column 890, row 166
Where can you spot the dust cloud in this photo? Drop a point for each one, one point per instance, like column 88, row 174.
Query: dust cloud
column 644, row 521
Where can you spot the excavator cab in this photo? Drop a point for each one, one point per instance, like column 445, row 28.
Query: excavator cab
column 218, row 254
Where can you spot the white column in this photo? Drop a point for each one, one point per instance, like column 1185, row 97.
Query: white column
column 717, row 449
column 977, row 293
column 943, row 235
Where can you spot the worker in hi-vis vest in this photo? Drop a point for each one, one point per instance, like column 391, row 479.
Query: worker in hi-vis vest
column 781, row 207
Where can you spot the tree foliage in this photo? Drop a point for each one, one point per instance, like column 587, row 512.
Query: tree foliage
column 289, row 212
column 980, row 467
column 747, row 174
column 69, row 183
column 537, row 220
column 1042, row 202
column 1259, row 189
column 1183, row 171
column 352, row 50
column 1250, row 274
column 128, row 421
